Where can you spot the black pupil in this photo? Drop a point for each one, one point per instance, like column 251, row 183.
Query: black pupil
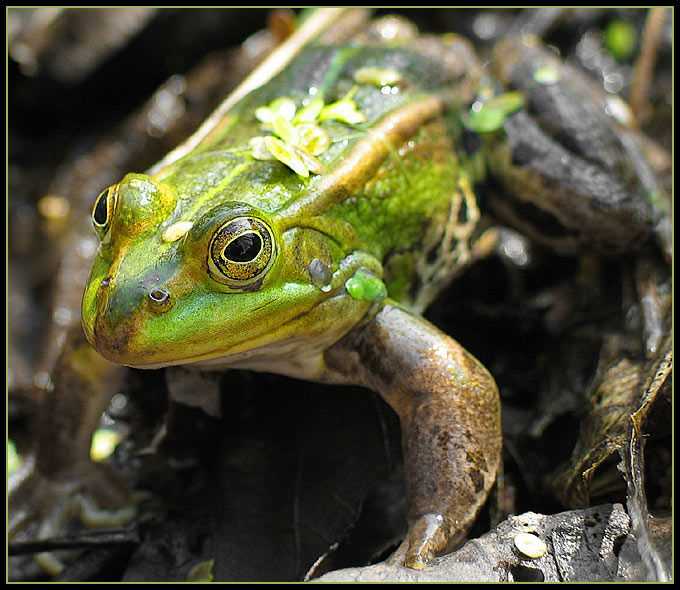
column 244, row 248
column 101, row 210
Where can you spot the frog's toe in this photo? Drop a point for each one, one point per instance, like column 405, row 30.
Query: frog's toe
column 427, row 537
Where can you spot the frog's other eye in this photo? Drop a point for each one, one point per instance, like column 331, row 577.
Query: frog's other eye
column 241, row 251
column 102, row 213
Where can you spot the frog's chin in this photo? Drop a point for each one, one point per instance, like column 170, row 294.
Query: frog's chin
column 293, row 350
column 293, row 357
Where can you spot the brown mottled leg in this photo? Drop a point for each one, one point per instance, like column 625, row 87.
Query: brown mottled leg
column 449, row 408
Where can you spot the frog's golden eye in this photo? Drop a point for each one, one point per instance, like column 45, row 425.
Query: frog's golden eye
column 102, row 213
column 241, row 251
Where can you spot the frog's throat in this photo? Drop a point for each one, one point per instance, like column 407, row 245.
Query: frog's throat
column 360, row 164
column 298, row 354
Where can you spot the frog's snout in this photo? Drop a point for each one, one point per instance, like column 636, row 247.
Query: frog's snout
column 123, row 299
column 120, row 308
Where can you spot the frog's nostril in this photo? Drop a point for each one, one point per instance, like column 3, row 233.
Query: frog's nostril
column 106, row 281
column 160, row 299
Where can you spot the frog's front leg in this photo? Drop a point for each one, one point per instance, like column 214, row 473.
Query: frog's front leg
column 449, row 408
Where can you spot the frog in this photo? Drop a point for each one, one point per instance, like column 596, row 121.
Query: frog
column 299, row 265
column 313, row 221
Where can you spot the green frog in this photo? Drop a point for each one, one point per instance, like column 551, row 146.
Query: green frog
column 308, row 228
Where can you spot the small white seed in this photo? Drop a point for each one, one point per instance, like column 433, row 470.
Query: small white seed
column 530, row 545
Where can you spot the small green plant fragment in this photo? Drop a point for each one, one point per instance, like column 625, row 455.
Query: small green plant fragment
column 13, row 458
column 287, row 155
column 490, row 116
column 547, row 75
column 377, row 76
column 312, row 163
column 344, row 110
column 259, row 149
column 620, row 37
column 104, row 442
column 366, row 286
column 285, row 107
column 285, row 129
column 297, row 138
column 313, row 139
column 310, row 113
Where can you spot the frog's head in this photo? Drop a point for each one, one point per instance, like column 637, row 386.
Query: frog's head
column 218, row 283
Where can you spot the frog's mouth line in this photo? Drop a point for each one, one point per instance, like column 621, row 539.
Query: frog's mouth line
column 284, row 351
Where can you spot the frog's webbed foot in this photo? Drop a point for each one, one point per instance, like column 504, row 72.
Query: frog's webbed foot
column 428, row 536
column 449, row 410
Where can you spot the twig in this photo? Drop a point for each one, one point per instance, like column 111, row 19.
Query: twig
column 644, row 65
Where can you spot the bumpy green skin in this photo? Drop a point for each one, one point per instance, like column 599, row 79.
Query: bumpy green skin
column 352, row 248
column 378, row 215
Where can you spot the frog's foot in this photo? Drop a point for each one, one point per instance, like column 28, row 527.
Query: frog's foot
column 428, row 536
column 40, row 506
